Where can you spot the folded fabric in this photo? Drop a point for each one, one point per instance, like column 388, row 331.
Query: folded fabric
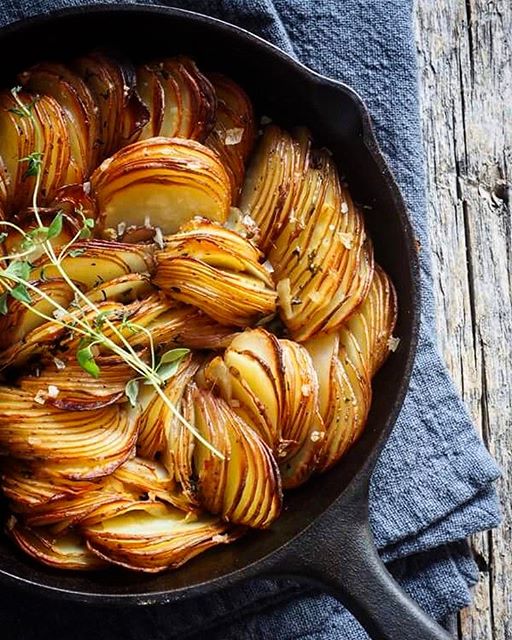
column 433, row 483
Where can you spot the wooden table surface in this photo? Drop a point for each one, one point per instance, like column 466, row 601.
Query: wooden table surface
column 465, row 49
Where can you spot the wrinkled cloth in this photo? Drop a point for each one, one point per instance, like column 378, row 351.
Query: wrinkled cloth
column 433, row 483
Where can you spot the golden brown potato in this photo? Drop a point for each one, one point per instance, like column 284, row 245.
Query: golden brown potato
column 245, row 487
column 234, row 130
column 272, row 386
column 77, row 101
column 37, row 143
column 76, row 446
column 59, row 552
column 122, row 115
column 162, row 181
column 217, row 271
column 314, row 234
column 263, row 280
column 155, row 537
column 71, row 390
column 180, row 98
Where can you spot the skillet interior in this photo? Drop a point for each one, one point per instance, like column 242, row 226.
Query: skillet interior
column 292, row 96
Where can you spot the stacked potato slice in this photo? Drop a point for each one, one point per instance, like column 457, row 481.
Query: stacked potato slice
column 262, row 285
column 313, row 232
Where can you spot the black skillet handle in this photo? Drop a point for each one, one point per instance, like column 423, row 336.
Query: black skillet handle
column 338, row 554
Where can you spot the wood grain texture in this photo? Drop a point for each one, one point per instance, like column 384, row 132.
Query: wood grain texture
column 465, row 49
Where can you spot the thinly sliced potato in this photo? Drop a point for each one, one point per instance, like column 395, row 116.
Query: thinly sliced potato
column 189, row 99
column 46, row 79
column 26, row 489
column 245, row 487
column 234, row 130
column 154, row 538
column 81, row 446
column 75, row 97
column 152, row 94
column 272, row 385
column 97, row 261
column 271, row 182
column 29, row 145
column 66, row 387
column 371, row 326
column 59, row 552
column 217, row 271
column 21, row 319
column 161, row 435
column 17, row 141
column 121, row 113
column 164, row 181
column 344, row 397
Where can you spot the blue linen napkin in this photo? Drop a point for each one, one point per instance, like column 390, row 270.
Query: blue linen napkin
column 433, row 484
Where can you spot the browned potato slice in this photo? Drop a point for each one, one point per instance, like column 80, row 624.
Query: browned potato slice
column 190, row 101
column 112, row 85
column 100, row 261
column 372, row 324
column 162, row 435
column 22, row 136
column 322, row 260
column 59, row 552
column 34, row 342
column 52, row 138
column 25, row 489
column 27, row 221
column 270, row 183
column 150, row 480
column 4, row 189
column 126, row 288
column 81, row 446
column 46, row 79
column 75, row 97
column 163, row 181
column 20, row 319
column 66, row 386
column 234, row 130
column 152, row 93
column 245, row 487
column 17, row 141
column 272, row 385
column 344, row 397
column 156, row 537
column 218, row 271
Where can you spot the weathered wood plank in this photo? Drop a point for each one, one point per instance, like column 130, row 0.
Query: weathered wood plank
column 466, row 76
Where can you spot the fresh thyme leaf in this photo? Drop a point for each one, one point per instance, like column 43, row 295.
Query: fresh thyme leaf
column 20, row 293
column 132, row 391
column 100, row 319
column 74, row 253
column 35, row 237
column 85, row 232
column 55, row 228
column 18, row 111
column 34, row 162
column 85, row 359
column 3, row 303
column 167, row 371
column 172, row 355
column 170, row 363
column 3, row 236
column 19, row 270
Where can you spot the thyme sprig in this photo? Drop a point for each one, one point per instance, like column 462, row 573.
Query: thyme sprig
column 84, row 317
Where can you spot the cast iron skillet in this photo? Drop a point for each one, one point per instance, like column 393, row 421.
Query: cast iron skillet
column 323, row 535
